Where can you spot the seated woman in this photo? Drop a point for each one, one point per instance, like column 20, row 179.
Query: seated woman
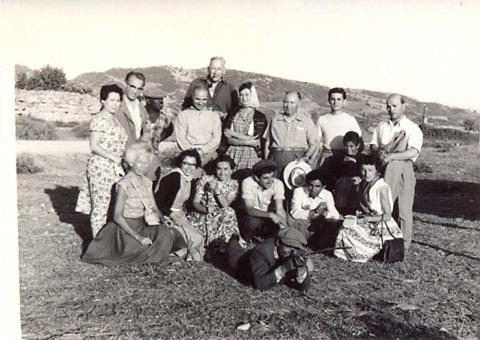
column 365, row 236
column 244, row 129
column 213, row 215
column 172, row 196
column 128, row 239
column 344, row 173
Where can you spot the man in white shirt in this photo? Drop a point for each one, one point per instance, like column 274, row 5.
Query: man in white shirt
column 312, row 205
column 259, row 192
column 334, row 125
column 399, row 172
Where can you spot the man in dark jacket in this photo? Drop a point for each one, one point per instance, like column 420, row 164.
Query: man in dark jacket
column 279, row 259
column 222, row 96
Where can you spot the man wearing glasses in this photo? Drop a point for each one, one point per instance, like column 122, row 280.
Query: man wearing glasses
column 132, row 115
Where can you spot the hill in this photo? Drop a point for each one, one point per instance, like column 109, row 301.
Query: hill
column 367, row 106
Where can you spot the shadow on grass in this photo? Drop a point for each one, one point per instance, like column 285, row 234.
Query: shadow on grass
column 63, row 200
column 448, row 252
column 448, row 198
column 444, row 224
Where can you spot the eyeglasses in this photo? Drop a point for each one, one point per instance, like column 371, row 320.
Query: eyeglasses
column 189, row 164
column 133, row 87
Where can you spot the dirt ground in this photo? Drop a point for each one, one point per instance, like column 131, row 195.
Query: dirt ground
column 434, row 293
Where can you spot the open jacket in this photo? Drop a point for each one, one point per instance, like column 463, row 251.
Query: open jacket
column 125, row 119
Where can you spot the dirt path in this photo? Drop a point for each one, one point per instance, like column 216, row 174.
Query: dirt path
column 63, row 146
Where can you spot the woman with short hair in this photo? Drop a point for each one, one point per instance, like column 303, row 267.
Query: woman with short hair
column 107, row 144
column 128, row 239
column 214, row 194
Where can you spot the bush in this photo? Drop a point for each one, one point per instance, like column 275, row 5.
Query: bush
column 82, row 130
column 443, row 134
column 47, row 78
column 28, row 127
column 26, row 164
column 21, row 80
column 76, row 88
column 422, row 167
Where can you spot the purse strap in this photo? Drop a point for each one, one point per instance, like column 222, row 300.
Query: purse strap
column 138, row 192
column 388, row 229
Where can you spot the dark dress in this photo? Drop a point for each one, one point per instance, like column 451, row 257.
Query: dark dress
column 114, row 246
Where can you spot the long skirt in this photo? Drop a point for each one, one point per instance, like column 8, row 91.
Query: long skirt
column 114, row 246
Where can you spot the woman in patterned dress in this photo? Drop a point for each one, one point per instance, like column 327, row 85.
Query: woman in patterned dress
column 244, row 129
column 104, row 169
column 366, row 235
column 213, row 215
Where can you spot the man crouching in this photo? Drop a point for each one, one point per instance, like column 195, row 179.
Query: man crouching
column 278, row 259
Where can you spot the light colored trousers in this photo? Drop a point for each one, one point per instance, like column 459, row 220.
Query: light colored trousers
column 191, row 235
column 401, row 178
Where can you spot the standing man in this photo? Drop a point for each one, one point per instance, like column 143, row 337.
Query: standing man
column 132, row 115
column 198, row 127
column 290, row 135
column 399, row 159
column 222, row 96
column 334, row 125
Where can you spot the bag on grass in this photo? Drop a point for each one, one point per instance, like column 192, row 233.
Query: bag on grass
column 392, row 250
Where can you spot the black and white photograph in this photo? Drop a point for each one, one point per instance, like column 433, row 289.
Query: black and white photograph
column 240, row 169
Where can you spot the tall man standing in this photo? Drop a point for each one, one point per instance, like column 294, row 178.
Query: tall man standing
column 222, row 96
column 399, row 159
column 290, row 135
column 334, row 125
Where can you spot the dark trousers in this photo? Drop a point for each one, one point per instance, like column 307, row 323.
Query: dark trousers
column 251, row 226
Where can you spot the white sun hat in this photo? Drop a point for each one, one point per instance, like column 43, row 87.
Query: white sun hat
column 295, row 173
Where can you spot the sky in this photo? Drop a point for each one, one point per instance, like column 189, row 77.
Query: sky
column 424, row 49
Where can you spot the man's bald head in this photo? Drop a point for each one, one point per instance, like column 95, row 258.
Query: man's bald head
column 291, row 102
column 396, row 107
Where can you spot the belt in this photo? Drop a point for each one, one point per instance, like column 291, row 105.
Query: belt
column 289, row 149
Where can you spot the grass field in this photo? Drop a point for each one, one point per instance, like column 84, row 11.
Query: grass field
column 435, row 293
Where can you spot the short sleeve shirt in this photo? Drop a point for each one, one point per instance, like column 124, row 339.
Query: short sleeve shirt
column 251, row 190
column 332, row 128
column 385, row 131
column 297, row 133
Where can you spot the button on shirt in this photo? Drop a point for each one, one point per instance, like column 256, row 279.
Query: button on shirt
column 302, row 203
column 252, row 190
column 286, row 132
column 385, row 131
column 332, row 128
column 198, row 129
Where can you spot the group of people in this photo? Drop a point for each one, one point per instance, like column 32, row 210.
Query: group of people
column 257, row 191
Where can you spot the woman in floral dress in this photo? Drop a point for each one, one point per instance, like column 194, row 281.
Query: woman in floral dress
column 364, row 236
column 104, row 169
column 244, row 129
column 213, row 215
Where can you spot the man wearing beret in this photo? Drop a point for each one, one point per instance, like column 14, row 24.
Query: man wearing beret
column 278, row 259
column 263, row 195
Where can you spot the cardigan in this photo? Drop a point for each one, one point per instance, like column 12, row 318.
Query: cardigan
column 168, row 189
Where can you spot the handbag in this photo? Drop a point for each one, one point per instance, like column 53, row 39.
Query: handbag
column 392, row 250
column 151, row 218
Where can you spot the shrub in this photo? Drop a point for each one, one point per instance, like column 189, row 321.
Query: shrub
column 82, row 130
column 422, row 167
column 26, row 164
column 434, row 133
column 76, row 88
column 21, row 80
column 28, row 127
column 47, row 78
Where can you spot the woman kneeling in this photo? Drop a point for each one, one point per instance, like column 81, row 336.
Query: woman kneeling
column 128, row 239
column 365, row 236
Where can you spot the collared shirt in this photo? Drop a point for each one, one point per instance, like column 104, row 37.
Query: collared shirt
column 385, row 131
column 295, row 132
column 303, row 203
column 224, row 98
column 332, row 128
column 198, row 129
column 252, row 190
column 134, row 110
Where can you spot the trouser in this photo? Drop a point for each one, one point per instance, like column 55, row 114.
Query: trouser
column 401, row 178
column 192, row 236
column 238, row 258
column 251, row 226
column 284, row 156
